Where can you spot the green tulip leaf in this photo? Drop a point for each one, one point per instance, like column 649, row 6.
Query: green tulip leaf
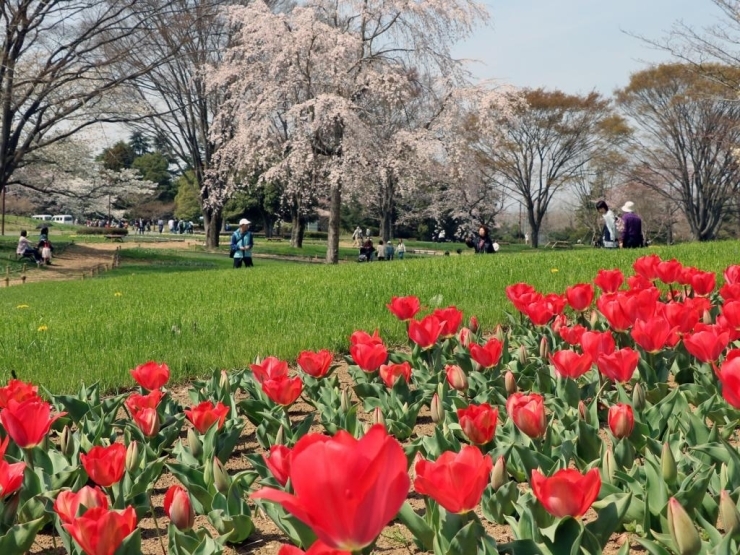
column 20, row 538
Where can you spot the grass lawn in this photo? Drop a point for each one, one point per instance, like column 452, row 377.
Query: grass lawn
column 194, row 312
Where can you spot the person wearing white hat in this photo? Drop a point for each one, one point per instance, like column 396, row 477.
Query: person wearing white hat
column 241, row 244
column 631, row 237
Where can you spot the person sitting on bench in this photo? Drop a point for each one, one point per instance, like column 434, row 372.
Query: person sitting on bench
column 26, row 250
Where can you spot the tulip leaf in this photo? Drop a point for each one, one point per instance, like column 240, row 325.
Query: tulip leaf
column 611, row 513
column 145, row 481
column 296, row 530
column 417, row 526
column 589, row 443
column 237, row 527
column 520, row 547
column 131, row 545
column 191, row 543
column 192, row 479
column 466, row 540
column 20, row 538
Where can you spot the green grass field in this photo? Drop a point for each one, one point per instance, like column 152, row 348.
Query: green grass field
column 197, row 314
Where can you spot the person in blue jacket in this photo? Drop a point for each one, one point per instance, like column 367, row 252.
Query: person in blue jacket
column 243, row 241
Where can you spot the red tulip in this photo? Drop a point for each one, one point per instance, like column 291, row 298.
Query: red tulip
column 729, row 377
column 559, row 321
column 68, row 502
column 580, row 296
column 346, row 490
column 4, row 446
column 284, row 390
column 317, row 548
column 570, row 364
column 278, row 461
column 703, row 283
column 669, row 271
column 455, row 480
column 11, row 477
column 369, row 357
column 572, row 335
column 450, row 318
column 404, row 308
column 478, row 422
column 19, row 391
column 151, row 375
column 731, row 314
column 205, row 415
column 596, row 344
column 687, row 273
column 489, row 354
column 473, row 324
column 390, row 373
column 611, row 308
column 707, row 344
column 652, row 335
column 101, row 531
column 178, row 508
column 681, row 316
column 362, row 337
column 270, row 369
column 567, row 492
column 646, row 266
column 426, row 331
column 620, row 365
column 105, row 465
column 528, row 413
column 640, row 305
column 730, row 292
column 464, row 337
column 638, row 283
column 521, row 294
column 540, row 312
column 315, row 364
column 147, row 421
column 27, row 423
column 136, row 401
column 732, row 274
column 609, row 281
column 621, row 420
column 456, row 377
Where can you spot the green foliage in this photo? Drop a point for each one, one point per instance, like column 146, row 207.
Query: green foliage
column 120, row 156
column 187, row 201
column 155, row 167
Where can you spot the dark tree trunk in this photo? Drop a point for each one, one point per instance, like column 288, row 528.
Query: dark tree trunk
column 212, row 220
column 297, row 231
column 268, row 223
column 332, row 248
column 387, row 206
column 534, row 230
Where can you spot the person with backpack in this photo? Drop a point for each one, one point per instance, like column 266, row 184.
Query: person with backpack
column 241, row 245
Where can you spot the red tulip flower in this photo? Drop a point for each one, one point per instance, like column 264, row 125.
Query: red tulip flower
column 151, row 375
column 703, row 283
column 732, row 274
column 136, row 401
column 362, row 337
column 620, row 365
column 478, row 422
column 390, row 373
column 455, row 480
column 450, row 318
column 101, row 531
column 731, row 314
column 404, row 308
column 640, row 305
column 521, row 294
column 621, row 420
column 178, row 508
column 528, row 413
column 646, row 266
column 652, row 335
column 567, row 492
column 369, row 357
column 730, row 292
column 669, row 271
column 464, row 337
column 579, row 296
column 147, row 421
column 611, row 308
column 487, row 355
column 570, row 364
column 11, row 477
column 638, row 283
column 707, row 344
column 426, row 331
column 572, row 335
column 609, row 281
column 28, row 422
column 278, row 461
column 346, row 490
column 105, row 465
column 68, row 502
column 284, row 390
column 456, row 377
column 315, row 364
column 596, row 343
column 19, row 391
column 270, row 369
column 205, row 415
column 473, row 324
column 681, row 316
column 540, row 312
column 729, row 377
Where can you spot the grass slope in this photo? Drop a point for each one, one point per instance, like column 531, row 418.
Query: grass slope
column 220, row 318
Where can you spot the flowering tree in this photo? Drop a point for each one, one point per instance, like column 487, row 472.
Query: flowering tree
column 301, row 87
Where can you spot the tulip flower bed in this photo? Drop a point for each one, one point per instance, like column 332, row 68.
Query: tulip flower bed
column 606, row 412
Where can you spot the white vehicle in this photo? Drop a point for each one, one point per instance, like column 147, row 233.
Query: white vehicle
column 63, row 219
column 43, row 217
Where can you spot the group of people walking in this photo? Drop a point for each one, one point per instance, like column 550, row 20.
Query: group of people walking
column 623, row 231
column 385, row 251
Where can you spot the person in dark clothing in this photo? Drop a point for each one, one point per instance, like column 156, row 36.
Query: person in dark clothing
column 366, row 251
column 631, row 237
column 483, row 244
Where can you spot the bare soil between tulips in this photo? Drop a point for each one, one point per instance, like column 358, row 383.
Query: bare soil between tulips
column 267, row 538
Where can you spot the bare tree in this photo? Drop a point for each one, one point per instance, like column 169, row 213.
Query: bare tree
column 685, row 145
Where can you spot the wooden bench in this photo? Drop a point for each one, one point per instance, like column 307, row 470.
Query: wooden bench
column 559, row 245
column 114, row 238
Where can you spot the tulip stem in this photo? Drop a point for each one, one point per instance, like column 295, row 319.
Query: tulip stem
column 28, row 455
column 156, row 525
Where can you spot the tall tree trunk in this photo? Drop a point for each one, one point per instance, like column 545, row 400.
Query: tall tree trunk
column 297, row 230
column 534, row 230
column 332, row 248
column 212, row 220
column 387, row 206
column 268, row 223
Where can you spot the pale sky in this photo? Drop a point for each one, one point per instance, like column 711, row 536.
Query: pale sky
column 576, row 45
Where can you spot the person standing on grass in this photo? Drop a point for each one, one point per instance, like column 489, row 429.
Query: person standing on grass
column 609, row 232
column 389, row 251
column 632, row 233
column 483, row 244
column 381, row 251
column 244, row 242
column 400, row 249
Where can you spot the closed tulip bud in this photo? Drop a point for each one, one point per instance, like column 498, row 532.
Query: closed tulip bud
column 544, row 348
column 668, row 465
column 280, row 436
column 438, row 413
column 133, row 456
column 223, row 382
column 463, row 337
column 638, row 397
column 609, row 466
column 221, row 478
column 499, row 477
column 378, row 416
column 344, row 403
column 66, row 441
column 196, row 447
column 582, row 412
column 473, row 324
column 510, row 383
column 456, row 378
column 178, row 508
column 594, row 319
column 405, row 408
column 499, row 333
column 682, row 529
column 728, row 514
column 707, row 318
column 523, row 355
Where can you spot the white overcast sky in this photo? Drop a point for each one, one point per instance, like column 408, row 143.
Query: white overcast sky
column 575, row 45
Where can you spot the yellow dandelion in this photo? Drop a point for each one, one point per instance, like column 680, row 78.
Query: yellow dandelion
column 118, row 294
column 554, row 270
column 22, row 306
column 43, row 328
